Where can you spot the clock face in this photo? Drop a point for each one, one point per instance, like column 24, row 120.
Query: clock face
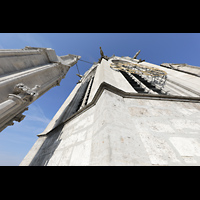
column 152, row 74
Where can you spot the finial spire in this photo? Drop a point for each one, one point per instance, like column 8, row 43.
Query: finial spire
column 135, row 56
column 102, row 55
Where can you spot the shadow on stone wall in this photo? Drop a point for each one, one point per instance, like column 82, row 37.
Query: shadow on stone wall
column 47, row 149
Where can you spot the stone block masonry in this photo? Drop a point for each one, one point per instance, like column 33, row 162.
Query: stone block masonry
column 129, row 118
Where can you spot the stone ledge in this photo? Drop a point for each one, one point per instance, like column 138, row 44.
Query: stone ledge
column 106, row 86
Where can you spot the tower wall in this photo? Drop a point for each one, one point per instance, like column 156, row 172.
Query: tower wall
column 120, row 125
column 124, row 131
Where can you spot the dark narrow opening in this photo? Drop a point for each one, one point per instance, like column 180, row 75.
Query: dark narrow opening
column 88, row 94
column 75, row 103
column 133, row 83
column 81, row 95
column 80, row 100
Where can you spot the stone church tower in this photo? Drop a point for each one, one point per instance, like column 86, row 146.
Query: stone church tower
column 125, row 111
column 25, row 75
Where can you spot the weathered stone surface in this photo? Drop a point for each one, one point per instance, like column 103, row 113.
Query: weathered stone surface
column 120, row 126
column 121, row 131
column 26, row 74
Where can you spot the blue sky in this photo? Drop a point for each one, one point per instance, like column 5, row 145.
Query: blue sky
column 16, row 141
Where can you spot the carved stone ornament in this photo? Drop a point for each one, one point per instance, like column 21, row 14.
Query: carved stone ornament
column 157, row 76
column 25, row 92
column 19, row 117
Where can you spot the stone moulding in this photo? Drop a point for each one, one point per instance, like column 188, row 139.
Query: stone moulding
column 12, row 109
column 25, row 75
column 187, row 88
column 111, row 88
column 18, row 52
column 22, row 97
